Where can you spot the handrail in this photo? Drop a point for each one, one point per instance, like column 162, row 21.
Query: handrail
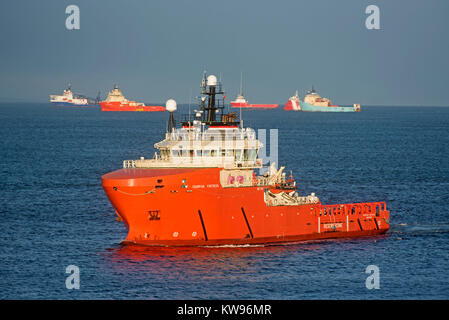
column 129, row 164
column 351, row 208
column 227, row 162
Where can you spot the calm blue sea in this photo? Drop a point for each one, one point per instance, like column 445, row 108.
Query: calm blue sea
column 54, row 212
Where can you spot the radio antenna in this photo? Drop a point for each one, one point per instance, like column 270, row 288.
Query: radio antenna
column 190, row 102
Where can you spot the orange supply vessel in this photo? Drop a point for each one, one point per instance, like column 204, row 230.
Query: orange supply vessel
column 201, row 188
column 117, row 102
column 241, row 102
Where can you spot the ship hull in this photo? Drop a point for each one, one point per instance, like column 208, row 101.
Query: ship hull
column 253, row 106
column 110, row 106
column 189, row 207
column 306, row 107
column 256, row 241
column 69, row 104
column 292, row 105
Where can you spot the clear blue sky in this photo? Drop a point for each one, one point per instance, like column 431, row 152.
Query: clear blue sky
column 155, row 50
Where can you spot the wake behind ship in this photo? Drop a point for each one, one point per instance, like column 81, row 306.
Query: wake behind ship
column 201, row 188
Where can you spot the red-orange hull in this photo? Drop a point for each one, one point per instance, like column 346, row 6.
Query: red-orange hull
column 117, row 106
column 255, row 241
column 254, row 106
column 184, row 207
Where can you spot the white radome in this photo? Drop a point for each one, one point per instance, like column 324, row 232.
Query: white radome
column 211, row 80
column 170, row 105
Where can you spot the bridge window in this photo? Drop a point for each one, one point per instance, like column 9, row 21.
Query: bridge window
column 252, row 154
column 185, row 153
column 245, row 155
column 238, row 154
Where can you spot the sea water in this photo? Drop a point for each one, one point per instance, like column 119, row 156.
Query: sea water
column 54, row 212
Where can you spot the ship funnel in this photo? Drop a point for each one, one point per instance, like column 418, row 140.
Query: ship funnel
column 171, row 106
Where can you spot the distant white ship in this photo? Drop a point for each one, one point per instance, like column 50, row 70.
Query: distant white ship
column 68, row 99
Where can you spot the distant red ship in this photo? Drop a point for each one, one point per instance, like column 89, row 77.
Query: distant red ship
column 241, row 102
column 117, row 102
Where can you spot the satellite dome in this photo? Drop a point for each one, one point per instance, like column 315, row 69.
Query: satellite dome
column 211, row 80
column 170, row 105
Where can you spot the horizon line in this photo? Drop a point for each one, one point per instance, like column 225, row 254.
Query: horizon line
column 187, row 103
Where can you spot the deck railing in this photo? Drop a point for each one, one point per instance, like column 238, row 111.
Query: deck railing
column 351, row 209
column 194, row 162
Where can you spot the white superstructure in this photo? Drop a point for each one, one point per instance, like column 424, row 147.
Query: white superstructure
column 195, row 146
column 67, row 98
column 314, row 99
column 209, row 139
column 116, row 95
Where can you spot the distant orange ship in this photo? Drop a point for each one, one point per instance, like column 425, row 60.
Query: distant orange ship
column 241, row 102
column 117, row 102
column 202, row 189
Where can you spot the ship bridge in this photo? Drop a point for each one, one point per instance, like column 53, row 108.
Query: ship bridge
column 212, row 147
column 313, row 98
